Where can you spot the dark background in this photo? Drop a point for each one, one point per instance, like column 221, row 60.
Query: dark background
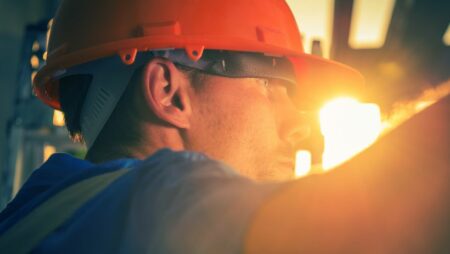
column 15, row 15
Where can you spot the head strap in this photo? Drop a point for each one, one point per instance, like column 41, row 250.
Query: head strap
column 110, row 78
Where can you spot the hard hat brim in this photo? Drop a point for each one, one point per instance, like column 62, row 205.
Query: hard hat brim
column 319, row 80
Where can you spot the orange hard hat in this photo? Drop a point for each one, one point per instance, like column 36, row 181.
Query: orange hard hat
column 85, row 31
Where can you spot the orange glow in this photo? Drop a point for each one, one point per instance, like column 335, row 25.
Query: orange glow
column 348, row 127
column 392, row 70
column 370, row 23
column 48, row 151
column 302, row 163
column 402, row 111
column 58, row 118
column 34, row 61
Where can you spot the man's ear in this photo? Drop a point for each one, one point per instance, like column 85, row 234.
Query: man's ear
column 166, row 92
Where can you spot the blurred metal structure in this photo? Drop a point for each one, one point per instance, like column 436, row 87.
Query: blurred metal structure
column 413, row 57
column 31, row 129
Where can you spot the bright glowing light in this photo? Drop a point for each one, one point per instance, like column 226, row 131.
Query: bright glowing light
column 403, row 110
column 370, row 23
column 34, row 61
column 348, row 127
column 446, row 37
column 315, row 19
column 302, row 163
column 48, row 151
column 58, row 118
column 423, row 105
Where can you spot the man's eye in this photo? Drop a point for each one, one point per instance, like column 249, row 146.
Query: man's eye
column 277, row 86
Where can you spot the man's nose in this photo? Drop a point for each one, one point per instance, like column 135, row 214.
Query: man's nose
column 296, row 127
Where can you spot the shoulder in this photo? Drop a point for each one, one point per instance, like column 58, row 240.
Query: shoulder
column 185, row 202
column 169, row 167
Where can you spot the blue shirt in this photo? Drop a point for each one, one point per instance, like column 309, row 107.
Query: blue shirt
column 172, row 202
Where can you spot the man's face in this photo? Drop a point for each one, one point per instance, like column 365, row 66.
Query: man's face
column 248, row 123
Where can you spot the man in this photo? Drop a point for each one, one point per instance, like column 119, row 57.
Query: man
column 181, row 104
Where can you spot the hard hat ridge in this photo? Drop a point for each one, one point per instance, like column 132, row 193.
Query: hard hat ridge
column 85, row 30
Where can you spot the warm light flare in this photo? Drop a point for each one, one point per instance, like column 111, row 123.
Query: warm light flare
column 348, row 127
column 58, row 118
column 34, row 61
column 302, row 163
column 402, row 111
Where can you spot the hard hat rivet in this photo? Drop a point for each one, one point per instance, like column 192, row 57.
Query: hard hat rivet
column 128, row 56
column 194, row 52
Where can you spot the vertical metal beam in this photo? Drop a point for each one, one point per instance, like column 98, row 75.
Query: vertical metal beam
column 341, row 28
